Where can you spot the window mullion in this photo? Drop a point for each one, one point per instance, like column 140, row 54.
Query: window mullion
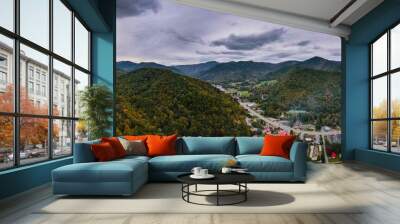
column 73, row 81
column 389, row 104
column 16, row 85
column 50, row 82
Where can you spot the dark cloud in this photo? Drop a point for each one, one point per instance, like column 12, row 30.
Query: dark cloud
column 281, row 55
column 303, row 43
column 184, row 38
column 128, row 8
column 238, row 53
column 250, row 42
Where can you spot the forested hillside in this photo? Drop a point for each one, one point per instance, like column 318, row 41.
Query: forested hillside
column 314, row 91
column 159, row 101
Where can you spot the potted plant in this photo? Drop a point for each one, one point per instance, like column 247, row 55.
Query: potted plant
column 96, row 102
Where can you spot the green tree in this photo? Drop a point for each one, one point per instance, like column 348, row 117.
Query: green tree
column 97, row 102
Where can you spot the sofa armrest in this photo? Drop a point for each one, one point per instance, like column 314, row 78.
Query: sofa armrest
column 83, row 152
column 298, row 155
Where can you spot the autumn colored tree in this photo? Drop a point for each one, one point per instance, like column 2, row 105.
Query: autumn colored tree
column 33, row 130
column 6, row 122
column 380, row 127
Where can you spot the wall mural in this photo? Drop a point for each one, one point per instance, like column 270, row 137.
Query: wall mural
column 196, row 72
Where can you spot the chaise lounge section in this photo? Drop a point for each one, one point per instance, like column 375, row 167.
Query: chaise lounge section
column 125, row 176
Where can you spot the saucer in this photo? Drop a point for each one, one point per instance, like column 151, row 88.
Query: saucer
column 208, row 176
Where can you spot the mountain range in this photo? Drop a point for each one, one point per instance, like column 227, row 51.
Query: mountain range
column 236, row 71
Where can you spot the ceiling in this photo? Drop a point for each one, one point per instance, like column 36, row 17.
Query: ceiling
column 333, row 17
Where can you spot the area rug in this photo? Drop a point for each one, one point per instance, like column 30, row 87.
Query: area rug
column 166, row 198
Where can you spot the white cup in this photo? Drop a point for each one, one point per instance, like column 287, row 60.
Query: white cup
column 203, row 172
column 226, row 170
column 196, row 171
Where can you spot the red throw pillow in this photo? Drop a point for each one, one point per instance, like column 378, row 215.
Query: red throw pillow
column 103, row 152
column 277, row 145
column 116, row 145
column 161, row 145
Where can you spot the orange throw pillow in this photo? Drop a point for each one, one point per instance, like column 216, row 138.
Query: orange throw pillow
column 277, row 145
column 161, row 145
column 116, row 145
column 103, row 152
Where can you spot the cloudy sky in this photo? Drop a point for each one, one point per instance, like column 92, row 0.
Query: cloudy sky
column 166, row 32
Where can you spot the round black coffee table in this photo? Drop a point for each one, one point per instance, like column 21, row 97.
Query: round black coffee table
column 238, row 179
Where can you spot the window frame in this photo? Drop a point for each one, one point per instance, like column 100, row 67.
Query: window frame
column 16, row 115
column 388, row 74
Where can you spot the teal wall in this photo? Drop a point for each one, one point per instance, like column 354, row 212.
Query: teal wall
column 24, row 178
column 103, row 50
column 99, row 15
column 356, row 95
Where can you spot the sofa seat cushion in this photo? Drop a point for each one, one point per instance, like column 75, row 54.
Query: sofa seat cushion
column 133, row 157
column 257, row 163
column 112, row 171
column 185, row 163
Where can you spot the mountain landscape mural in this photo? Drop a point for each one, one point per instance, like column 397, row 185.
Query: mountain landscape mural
column 277, row 88
column 226, row 76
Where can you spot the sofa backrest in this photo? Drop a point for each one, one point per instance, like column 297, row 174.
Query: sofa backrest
column 249, row 145
column 83, row 152
column 190, row 146
column 206, row 145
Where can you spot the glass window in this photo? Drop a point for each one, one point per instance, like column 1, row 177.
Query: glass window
column 7, row 14
column 81, row 82
column 379, row 56
column 3, row 61
column 30, row 87
column 34, row 21
column 6, row 73
column 44, row 91
column 33, row 140
column 384, row 81
column 395, row 95
column 62, row 138
column 35, row 143
column 395, row 138
column 395, row 47
column 31, row 74
column 38, row 89
column 379, row 99
column 81, row 131
column 40, row 62
column 62, row 71
column 6, row 142
column 81, row 45
column 62, row 29
column 379, row 133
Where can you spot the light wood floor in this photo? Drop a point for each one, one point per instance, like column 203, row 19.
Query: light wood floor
column 378, row 189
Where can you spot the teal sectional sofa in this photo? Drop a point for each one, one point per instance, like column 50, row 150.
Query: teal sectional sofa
column 125, row 176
